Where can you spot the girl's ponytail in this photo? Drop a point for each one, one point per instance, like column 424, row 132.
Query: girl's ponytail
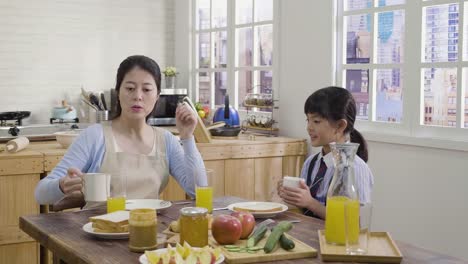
column 362, row 152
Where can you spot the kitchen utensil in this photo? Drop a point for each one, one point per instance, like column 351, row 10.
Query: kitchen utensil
column 95, row 101
column 17, row 144
column 227, row 114
column 89, row 104
column 103, row 101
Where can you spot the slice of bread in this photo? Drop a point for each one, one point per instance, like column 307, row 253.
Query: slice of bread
column 260, row 208
column 116, row 222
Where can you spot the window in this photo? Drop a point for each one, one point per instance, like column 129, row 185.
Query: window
column 387, row 48
column 232, row 49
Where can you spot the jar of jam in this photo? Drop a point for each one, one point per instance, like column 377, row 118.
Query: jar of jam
column 194, row 226
column 143, row 230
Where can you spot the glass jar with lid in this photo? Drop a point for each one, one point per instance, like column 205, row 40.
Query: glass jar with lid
column 143, row 230
column 194, row 226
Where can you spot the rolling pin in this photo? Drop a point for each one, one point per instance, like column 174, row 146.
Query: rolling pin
column 17, row 144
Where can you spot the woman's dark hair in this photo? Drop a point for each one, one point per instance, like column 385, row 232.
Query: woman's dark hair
column 145, row 63
column 336, row 103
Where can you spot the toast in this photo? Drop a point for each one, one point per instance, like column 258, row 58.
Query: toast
column 264, row 208
column 116, row 222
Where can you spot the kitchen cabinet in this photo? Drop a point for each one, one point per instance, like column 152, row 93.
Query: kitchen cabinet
column 19, row 175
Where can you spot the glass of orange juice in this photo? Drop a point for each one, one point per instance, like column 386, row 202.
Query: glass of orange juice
column 204, row 188
column 117, row 193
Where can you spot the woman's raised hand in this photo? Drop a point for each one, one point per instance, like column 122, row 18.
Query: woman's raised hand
column 72, row 183
column 186, row 121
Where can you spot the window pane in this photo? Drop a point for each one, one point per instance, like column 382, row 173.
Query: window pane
column 204, row 88
column 204, row 50
column 357, row 38
column 244, row 84
column 263, row 10
column 243, row 11
column 465, row 33
column 357, row 4
column 465, row 101
column 440, row 96
column 357, row 82
column 264, row 45
column 389, row 97
column 391, row 32
column 203, row 14
column 219, row 10
column 265, row 81
column 391, row 2
column 441, row 33
column 244, row 49
column 220, row 87
column 220, row 49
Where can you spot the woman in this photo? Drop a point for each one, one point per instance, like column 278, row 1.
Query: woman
column 128, row 148
column 330, row 113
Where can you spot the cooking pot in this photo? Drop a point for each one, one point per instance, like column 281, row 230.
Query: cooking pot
column 64, row 112
column 227, row 114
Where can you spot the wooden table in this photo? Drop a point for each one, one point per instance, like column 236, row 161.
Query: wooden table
column 62, row 234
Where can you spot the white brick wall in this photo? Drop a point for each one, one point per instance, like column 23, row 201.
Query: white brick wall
column 49, row 48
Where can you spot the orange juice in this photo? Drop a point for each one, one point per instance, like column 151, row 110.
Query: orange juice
column 335, row 220
column 204, row 197
column 115, row 204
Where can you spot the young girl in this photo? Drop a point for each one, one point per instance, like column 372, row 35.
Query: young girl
column 331, row 113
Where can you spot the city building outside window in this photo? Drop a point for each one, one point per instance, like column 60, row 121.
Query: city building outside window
column 232, row 49
column 407, row 63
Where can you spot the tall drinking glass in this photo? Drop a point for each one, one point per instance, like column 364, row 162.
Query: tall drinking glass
column 204, row 188
column 117, row 194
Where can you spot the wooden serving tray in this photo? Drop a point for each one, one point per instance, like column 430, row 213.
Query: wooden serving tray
column 382, row 249
column 301, row 250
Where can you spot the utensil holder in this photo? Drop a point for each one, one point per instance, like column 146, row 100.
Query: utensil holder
column 102, row 116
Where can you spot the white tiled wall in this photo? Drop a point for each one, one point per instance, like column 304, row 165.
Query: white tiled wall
column 50, row 48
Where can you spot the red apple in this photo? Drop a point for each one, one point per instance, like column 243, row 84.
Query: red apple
column 247, row 221
column 226, row 229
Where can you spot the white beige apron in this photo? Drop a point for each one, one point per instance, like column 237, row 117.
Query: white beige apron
column 146, row 175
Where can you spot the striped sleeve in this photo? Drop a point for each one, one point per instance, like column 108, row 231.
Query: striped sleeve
column 364, row 180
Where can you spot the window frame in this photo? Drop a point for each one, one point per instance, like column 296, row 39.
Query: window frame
column 412, row 128
column 231, row 69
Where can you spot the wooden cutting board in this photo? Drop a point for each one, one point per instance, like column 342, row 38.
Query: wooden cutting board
column 301, row 250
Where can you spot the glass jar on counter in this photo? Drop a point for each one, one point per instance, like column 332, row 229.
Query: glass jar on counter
column 194, row 226
column 143, row 230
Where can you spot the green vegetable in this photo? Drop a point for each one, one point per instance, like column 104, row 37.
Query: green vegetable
column 233, row 249
column 275, row 235
column 258, row 234
column 286, row 243
column 231, row 246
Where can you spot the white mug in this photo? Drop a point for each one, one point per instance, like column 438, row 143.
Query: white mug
column 96, row 187
column 292, row 182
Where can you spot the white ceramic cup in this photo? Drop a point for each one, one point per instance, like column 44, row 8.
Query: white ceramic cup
column 96, row 187
column 292, row 182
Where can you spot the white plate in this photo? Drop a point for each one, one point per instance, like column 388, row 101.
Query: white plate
column 88, row 228
column 147, row 203
column 144, row 260
column 259, row 206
